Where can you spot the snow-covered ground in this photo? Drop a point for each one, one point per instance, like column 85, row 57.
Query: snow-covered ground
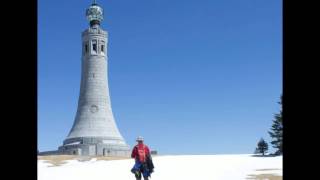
column 175, row 167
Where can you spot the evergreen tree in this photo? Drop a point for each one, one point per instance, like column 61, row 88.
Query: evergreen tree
column 262, row 146
column 276, row 131
column 256, row 151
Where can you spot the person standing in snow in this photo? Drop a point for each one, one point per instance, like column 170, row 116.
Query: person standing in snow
column 143, row 161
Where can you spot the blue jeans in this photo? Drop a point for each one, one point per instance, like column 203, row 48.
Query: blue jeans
column 139, row 168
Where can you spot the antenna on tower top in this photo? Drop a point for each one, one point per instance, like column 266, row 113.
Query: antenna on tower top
column 94, row 2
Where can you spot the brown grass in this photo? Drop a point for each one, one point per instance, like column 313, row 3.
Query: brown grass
column 265, row 176
column 57, row 160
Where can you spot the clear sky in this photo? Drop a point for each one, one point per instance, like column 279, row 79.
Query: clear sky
column 191, row 76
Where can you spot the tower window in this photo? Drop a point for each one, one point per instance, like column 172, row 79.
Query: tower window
column 94, row 46
column 86, row 48
column 102, row 48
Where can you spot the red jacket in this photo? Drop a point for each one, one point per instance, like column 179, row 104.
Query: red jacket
column 140, row 152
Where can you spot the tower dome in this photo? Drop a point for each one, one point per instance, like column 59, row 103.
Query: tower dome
column 94, row 14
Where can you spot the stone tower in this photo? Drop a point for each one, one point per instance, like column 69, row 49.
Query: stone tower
column 94, row 131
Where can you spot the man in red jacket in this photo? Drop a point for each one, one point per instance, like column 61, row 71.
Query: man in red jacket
column 143, row 163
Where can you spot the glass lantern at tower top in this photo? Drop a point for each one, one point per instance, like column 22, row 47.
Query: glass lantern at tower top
column 94, row 14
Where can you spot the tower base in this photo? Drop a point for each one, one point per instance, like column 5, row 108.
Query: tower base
column 95, row 146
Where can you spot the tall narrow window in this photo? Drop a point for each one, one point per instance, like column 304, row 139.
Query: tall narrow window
column 94, row 46
column 86, row 48
column 102, row 47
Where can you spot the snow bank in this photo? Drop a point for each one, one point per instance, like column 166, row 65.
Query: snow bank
column 177, row 167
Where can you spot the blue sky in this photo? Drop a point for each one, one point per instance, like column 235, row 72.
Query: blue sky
column 192, row 77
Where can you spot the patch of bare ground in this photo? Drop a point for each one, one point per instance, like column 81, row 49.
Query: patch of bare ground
column 57, row 160
column 265, row 176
